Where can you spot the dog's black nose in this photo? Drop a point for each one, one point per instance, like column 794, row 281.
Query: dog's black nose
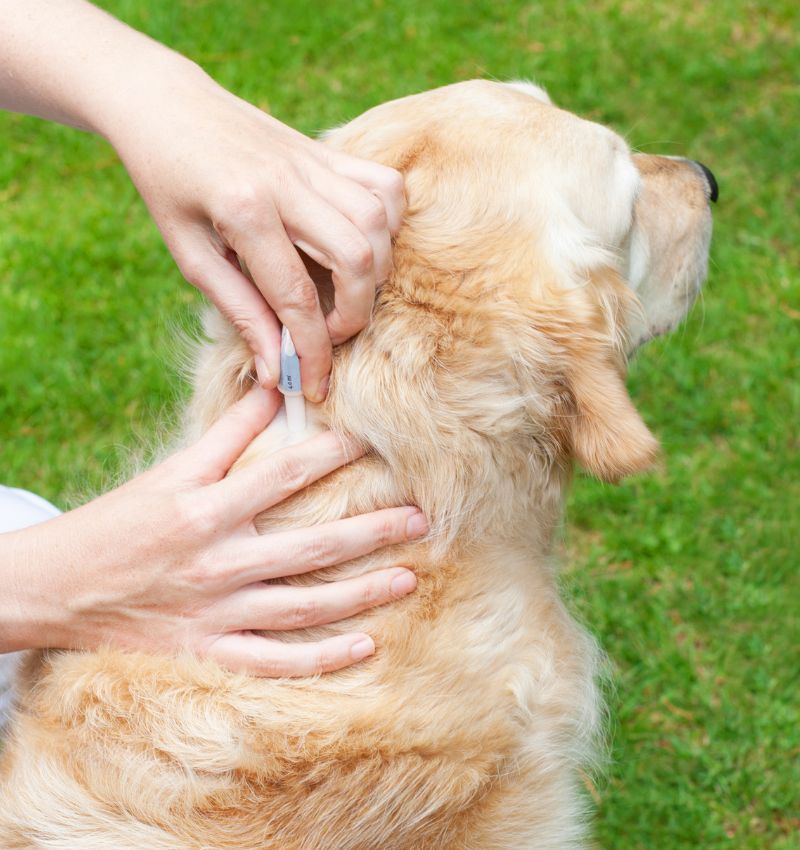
column 710, row 179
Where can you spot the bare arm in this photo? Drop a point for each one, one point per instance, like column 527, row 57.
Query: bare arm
column 222, row 179
column 63, row 60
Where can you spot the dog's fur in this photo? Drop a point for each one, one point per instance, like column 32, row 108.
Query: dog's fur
column 535, row 255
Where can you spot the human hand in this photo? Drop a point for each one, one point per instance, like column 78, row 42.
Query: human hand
column 172, row 560
column 224, row 181
column 230, row 186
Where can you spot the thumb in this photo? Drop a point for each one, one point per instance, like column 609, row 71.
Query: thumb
column 242, row 304
column 220, row 447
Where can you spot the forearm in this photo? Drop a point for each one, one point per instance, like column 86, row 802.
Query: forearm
column 32, row 609
column 68, row 61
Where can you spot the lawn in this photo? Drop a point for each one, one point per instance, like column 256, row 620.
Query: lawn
column 689, row 576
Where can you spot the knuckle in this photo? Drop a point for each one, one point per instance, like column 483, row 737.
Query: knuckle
column 245, row 326
column 394, row 185
column 386, row 532
column 371, row 215
column 372, row 594
column 196, row 517
column 357, row 256
column 204, row 575
column 237, row 205
column 323, row 551
column 286, row 177
column 194, row 271
column 305, row 613
column 323, row 661
column 301, row 294
column 291, row 473
column 271, row 668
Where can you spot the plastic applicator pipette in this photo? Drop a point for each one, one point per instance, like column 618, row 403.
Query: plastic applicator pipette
column 289, row 385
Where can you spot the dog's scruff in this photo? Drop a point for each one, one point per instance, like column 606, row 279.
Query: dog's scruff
column 536, row 254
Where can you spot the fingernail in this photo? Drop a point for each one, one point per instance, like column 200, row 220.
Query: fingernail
column 362, row 648
column 403, row 583
column 416, row 525
column 322, row 389
column 262, row 372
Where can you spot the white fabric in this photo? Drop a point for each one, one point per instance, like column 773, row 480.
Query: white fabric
column 18, row 509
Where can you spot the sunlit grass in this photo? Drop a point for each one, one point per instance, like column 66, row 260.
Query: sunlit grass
column 689, row 577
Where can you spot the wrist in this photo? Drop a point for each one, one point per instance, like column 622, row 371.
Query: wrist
column 32, row 610
column 128, row 111
column 148, row 87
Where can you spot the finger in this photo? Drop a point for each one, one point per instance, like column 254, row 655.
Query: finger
column 385, row 182
column 281, row 607
column 287, row 553
column 282, row 279
column 220, row 447
column 241, row 302
column 259, row 656
column 265, row 482
column 364, row 209
column 330, row 238
column 366, row 212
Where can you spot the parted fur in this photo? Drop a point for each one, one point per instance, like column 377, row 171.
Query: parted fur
column 494, row 358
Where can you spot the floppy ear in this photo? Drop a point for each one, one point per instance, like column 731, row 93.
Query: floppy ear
column 609, row 438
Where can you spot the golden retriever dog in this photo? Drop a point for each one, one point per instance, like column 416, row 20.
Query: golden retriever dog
column 536, row 254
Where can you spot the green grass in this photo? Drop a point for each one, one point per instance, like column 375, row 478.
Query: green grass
column 689, row 577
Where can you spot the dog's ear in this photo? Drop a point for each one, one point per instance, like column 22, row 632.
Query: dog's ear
column 607, row 435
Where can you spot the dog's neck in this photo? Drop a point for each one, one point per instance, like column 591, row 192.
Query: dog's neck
column 498, row 502
column 442, row 401
column 458, row 445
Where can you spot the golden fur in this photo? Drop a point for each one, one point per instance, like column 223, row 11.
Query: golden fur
column 494, row 358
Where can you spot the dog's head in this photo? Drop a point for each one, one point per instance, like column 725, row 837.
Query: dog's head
column 538, row 253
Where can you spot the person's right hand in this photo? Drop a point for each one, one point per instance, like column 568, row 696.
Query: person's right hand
column 233, row 189
column 226, row 184
column 172, row 560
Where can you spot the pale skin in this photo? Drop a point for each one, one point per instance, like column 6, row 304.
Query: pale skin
column 171, row 560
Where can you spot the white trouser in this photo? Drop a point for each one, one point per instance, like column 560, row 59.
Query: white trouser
column 18, row 509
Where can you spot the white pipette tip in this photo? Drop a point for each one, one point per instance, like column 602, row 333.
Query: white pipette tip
column 295, row 413
column 289, row 385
